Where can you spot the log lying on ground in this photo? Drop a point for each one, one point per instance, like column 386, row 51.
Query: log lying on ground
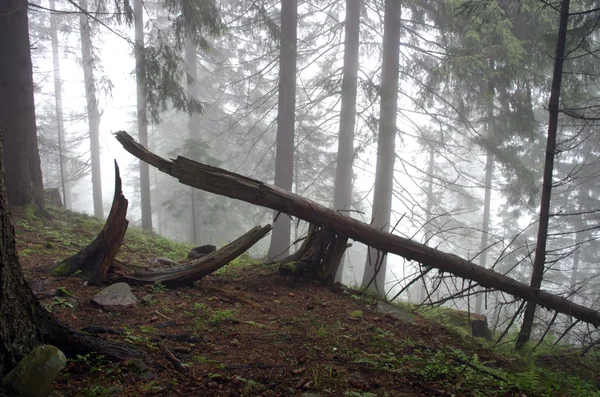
column 94, row 260
column 198, row 268
column 222, row 182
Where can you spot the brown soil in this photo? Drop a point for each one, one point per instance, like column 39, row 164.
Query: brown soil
column 253, row 332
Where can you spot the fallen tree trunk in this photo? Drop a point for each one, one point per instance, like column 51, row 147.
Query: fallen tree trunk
column 222, row 182
column 198, row 268
column 94, row 260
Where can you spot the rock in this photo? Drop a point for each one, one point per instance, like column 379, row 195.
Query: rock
column 115, row 295
column 201, row 251
column 395, row 312
column 34, row 375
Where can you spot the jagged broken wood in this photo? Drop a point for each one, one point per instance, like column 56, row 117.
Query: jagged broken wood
column 189, row 272
column 320, row 254
column 94, row 260
column 226, row 183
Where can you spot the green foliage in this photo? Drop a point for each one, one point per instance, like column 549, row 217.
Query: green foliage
column 158, row 287
column 91, row 362
column 219, row 316
column 148, row 242
column 356, row 314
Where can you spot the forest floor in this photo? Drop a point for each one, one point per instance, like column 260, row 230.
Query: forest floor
column 249, row 331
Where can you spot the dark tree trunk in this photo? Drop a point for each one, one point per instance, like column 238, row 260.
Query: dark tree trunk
column 539, row 260
column 19, row 332
column 17, row 111
column 92, row 109
column 342, row 197
column 386, row 141
column 284, row 155
column 95, row 260
column 142, row 118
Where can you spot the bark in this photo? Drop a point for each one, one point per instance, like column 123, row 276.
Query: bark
column 142, row 118
column 92, row 108
column 19, row 332
column 17, row 112
column 219, row 181
column 539, row 260
column 386, row 141
column 197, row 269
column 60, row 128
column 95, row 259
column 320, row 255
column 342, row 196
column 284, row 155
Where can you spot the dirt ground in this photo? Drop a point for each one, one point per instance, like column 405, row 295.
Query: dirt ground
column 249, row 331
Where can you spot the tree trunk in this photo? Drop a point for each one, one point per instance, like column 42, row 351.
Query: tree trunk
column 19, row 330
column 92, row 109
column 489, row 171
column 94, row 260
column 17, row 112
column 142, row 118
column 60, row 128
column 342, row 197
column 193, row 126
column 539, row 260
column 386, row 141
column 219, row 181
column 286, row 108
column 189, row 272
column 422, row 291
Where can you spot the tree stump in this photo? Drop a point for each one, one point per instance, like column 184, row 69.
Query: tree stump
column 94, row 260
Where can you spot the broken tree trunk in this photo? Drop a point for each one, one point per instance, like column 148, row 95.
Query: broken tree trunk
column 320, row 254
column 94, row 260
column 198, row 268
column 225, row 183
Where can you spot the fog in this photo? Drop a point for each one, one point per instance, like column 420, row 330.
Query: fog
column 473, row 97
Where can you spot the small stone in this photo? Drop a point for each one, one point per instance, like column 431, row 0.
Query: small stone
column 115, row 295
column 34, row 375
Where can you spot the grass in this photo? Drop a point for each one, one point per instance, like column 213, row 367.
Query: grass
column 339, row 331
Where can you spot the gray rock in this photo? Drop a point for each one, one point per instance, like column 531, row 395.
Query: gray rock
column 115, row 295
column 395, row 312
column 34, row 375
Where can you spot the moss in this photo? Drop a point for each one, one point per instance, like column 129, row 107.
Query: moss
column 30, row 212
column 62, row 270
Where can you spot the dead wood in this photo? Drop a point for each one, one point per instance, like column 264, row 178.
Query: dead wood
column 198, row 268
column 320, row 254
column 177, row 363
column 226, row 183
column 94, row 260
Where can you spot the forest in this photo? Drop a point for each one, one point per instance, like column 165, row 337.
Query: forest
column 433, row 153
